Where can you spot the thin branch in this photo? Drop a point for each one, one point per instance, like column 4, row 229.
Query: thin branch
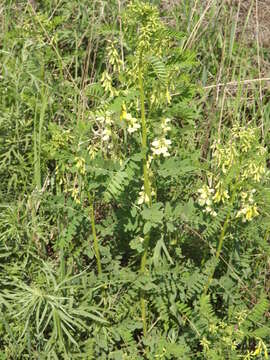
column 50, row 42
column 197, row 26
column 258, row 48
column 235, row 83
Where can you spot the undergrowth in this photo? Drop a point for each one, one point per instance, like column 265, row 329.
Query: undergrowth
column 134, row 194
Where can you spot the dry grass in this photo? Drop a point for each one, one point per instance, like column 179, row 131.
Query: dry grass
column 263, row 21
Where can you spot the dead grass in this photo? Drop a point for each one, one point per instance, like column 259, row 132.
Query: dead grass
column 263, row 21
column 256, row 32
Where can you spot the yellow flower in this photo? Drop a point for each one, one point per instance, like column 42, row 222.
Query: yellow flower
column 80, row 165
column 205, row 344
column 258, row 349
column 221, row 194
column 244, row 195
column 205, row 195
column 133, row 124
column 124, row 112
column 164, row 125
column 248, row 212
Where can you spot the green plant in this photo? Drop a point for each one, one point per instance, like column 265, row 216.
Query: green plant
column 134, row 194
column 239, row 166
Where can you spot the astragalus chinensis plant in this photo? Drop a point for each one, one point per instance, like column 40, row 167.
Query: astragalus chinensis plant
column 120, row 237
column 238, row 171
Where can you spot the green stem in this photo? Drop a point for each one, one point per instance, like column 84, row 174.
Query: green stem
column 60, row 226
column 220, row 241
column 62, row 264
column 147, row 189
column 93, row 225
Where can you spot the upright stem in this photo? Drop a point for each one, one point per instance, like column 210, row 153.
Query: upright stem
column 147, row 189
column 93, row 225
column 147, row 186
column 220, row 241
column 60, row 225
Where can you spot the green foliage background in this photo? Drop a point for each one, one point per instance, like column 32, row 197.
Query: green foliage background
column 72, row 232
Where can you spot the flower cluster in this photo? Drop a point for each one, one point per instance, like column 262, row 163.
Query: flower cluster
column 159, row 96
column 206, row 199
column 161, row 146
column 237, row 163
column 165, row 125
column 260, row 349
column 143, row 197
column 132, row 123
column 150, row 25
column 105, row 123
column 249, row 208
column 113, row 57
column 221, row 193
column 224, row 157
column 245, row 137
column 75, row 193
column 80, row 165
column 115, row 64
column 106, row 82
column 254, row 171
column 244, row 152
